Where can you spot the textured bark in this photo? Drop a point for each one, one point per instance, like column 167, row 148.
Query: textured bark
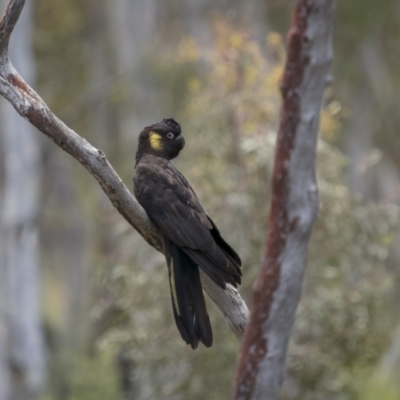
column 294, row 206
column 30, row 106
column 23, row 354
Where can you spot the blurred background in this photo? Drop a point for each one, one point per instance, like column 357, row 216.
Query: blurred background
column 84, row 302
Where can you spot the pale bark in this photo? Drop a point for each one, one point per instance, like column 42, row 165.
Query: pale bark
column 294, row 205
column 132, row 27
column 100, row 109
column 381, row 182
column 29, row 105
column 23, row 354
column 5, row 381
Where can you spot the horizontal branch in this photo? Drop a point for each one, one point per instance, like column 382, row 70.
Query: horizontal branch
column 31, row 107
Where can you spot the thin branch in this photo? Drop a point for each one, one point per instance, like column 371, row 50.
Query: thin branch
column 8, row 22
column 31, row 107
column 294, row 206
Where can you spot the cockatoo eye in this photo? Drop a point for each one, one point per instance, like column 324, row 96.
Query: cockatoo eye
column 170, row 135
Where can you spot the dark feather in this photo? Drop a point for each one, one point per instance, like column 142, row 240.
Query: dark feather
column 229, row 252
column 187, row 296
column 216, row 266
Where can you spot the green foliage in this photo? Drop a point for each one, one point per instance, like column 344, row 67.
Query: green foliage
column 77, row 376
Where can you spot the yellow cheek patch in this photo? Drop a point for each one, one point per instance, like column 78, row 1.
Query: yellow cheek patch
column 155, row 141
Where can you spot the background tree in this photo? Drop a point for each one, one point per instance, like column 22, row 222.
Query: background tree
column 294, row 203
column 22, row 355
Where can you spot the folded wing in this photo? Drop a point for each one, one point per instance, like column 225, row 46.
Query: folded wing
column 172, row 204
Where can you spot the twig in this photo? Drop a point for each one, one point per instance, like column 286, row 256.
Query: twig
column 8, row 22
column 31, row 107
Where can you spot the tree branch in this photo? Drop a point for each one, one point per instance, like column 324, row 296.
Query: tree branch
column 294, row 206
column 31, row 107
column 8, row 22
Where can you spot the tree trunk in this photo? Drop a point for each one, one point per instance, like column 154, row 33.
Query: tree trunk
column 294, row 206
column 21, row 339
column 132, row 29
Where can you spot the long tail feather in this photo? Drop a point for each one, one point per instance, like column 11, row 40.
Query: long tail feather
column 187, row 296
column 202, row 320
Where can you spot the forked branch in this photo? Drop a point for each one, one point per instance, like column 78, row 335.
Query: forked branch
column 31, row 107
